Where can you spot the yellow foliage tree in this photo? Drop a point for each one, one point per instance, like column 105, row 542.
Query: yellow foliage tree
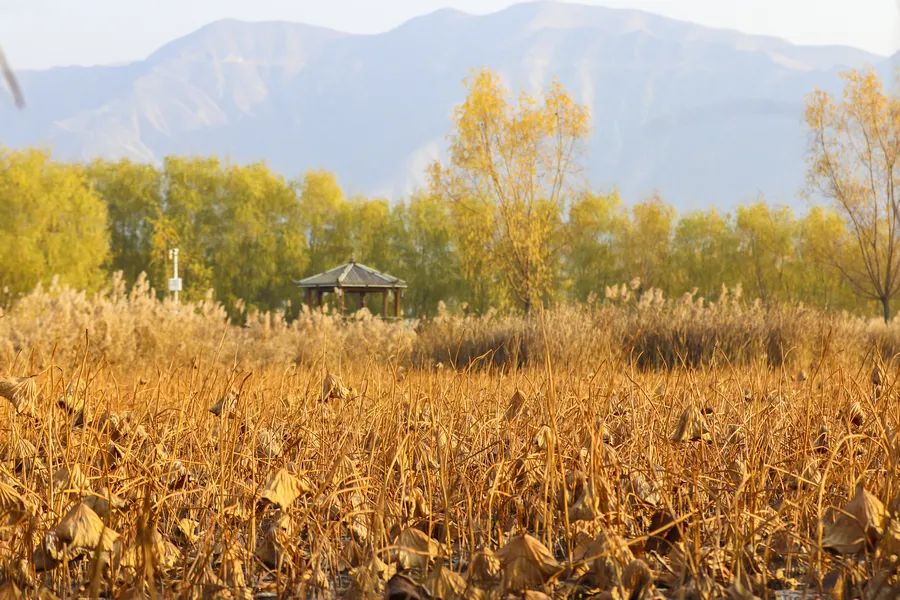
column 853, row 160
column 509, row 178
column 53, row 224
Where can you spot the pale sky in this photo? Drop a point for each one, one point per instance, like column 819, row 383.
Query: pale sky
column 43, row 33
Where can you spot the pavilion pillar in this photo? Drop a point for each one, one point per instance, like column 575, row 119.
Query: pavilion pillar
column 397, row 302
column 384, row 304
column 341, row 300
column 362, row 300
column 308, row 293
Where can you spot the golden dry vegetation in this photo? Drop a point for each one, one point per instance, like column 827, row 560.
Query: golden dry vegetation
column 345, row 462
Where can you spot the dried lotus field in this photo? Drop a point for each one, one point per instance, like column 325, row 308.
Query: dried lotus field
column 204, row 482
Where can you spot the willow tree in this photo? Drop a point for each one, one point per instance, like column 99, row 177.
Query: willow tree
column 853, row 160
column 510, row 171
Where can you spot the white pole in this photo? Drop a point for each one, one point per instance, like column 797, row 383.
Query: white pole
column 175, row 284
column 175, row 269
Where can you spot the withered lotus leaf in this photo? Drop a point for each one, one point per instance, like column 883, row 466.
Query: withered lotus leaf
column 20, row 391
column 283, row 489
column 334, row 388
column 226, row 405
column 516, row 404
column 12, row 505
column 445, row 583
column 526, row 563
column 861, row 523
column 691, row 427
column 414, row 549
column 81, row 528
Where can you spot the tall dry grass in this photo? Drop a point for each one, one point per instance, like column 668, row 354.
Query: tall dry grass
column 125, row 327
column 157, row 450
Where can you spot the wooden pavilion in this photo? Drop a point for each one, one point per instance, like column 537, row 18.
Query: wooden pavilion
column 353, row 278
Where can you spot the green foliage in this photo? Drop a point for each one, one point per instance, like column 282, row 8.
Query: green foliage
column 51, row 222
column 426, row 258
column 704, row 252
column 765, row 238
column 597, row 228
column 648, row 242
column 327, row 221
column 131, row 192
column 246, row 234
column 239, row 230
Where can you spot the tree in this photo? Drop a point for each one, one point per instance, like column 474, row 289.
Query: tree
column 327, row 221
column 648, row 243
column 370, row 233
column 766, row 243
column 53, row 224
column 260, row 249
column 422, row 242
column 132, row 194
column 239, row 231
column 821, row 234
column 704, row 249
column 516, row 162
column 853, row 161
column 597, row 226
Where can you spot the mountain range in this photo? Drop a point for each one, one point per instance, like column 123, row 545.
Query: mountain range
column 705, row 117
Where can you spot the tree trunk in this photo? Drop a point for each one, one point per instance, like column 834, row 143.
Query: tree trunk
column 886, row 308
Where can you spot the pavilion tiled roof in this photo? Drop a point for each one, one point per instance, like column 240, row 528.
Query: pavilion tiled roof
column 352, row 275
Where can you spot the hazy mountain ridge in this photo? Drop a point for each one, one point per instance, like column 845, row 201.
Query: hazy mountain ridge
column 705, row 116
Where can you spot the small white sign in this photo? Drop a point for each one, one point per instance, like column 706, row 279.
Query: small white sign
column 175, row 284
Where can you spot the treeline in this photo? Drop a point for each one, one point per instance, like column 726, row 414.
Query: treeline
column 246, row 233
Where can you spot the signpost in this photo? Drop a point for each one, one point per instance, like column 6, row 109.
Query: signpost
column 175, row 281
